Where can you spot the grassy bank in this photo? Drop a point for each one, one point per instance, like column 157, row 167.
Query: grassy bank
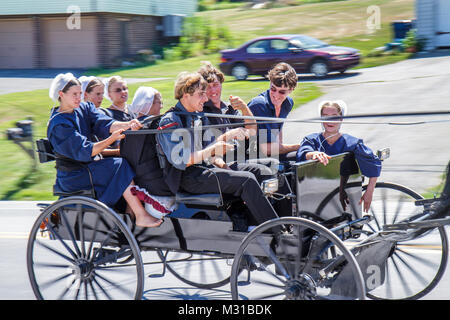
column 341, row 23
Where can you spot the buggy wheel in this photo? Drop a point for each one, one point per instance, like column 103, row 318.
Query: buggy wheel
column 201, row 270
column 76, row 250
column 415, row 265
column 307, row 263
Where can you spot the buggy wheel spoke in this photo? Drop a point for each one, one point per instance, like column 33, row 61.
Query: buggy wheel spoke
column 413, row 271
column 422, row 260
column 91, row 244
column 80, row 218
column 54, row 281
column 69, row 229
column 62, row 241
column 115, row 285
column 102, row 289
column 400, row 276
column 55, row 251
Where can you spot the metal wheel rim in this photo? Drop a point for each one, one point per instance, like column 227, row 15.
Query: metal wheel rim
column 88, row 281
column 320, row 69
column 359, row 282
column 240, row 72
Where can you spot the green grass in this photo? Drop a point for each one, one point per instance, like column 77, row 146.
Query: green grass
column 19, row 180
column 338, row 23
column 161, row 69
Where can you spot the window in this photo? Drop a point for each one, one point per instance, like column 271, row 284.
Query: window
column 279, row 46
column 258, row 47
column 306, row 42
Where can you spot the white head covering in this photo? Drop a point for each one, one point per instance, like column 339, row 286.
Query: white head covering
column 106, row 83
column 105, row 92
column 341, row 104
column 143, row 100
column 84, row 83
column 58, row 83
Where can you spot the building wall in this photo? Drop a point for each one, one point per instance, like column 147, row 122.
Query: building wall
column 16, row 43
column 425, row 21
column 138, row 7
column 443, row 23
column 114, row 46
column 69, row 48
column 103, row 39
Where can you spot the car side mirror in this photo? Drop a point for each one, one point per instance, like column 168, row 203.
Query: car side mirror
column 295, row 49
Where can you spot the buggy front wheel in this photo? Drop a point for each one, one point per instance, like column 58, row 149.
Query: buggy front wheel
column 75, row 250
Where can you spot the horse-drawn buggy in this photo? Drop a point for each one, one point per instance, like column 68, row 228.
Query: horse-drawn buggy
column 80, row 248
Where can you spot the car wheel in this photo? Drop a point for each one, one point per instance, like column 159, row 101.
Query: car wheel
column 319, row 68
column 239, row 71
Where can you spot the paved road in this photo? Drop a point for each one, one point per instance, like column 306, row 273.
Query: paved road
column 419, row 153
column 16, row 220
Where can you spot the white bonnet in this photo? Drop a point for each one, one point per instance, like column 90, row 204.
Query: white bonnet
column 58, row 83
column 106, row 83
column 143, row 100
column 341, row 104
column 84, row 83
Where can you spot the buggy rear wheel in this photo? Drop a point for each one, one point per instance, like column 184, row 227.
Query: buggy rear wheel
column 415, row 264
column 76, row 251
column 307, row 263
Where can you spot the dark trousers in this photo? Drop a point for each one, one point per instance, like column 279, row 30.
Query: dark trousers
column 242, row 184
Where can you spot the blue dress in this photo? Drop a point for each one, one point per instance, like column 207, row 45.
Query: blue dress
column 369, row 163
column 68, row 133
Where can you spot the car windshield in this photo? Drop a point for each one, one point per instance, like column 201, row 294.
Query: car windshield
column 306, row 42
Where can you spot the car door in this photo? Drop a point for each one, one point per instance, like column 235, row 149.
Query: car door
column 257, row 56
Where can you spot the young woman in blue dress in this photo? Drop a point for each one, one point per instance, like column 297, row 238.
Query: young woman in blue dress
column 69, row 128
column 319, row 146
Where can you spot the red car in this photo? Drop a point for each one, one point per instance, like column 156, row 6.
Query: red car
column 303, row 53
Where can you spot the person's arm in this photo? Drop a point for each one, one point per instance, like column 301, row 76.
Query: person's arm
column 219, row 148
column 98, row 147
column 238, row 104
column 322, row 157
column 125, row 125
column 234, row 134
column 366, row 198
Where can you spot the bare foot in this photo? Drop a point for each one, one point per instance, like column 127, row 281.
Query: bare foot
column 148, row 221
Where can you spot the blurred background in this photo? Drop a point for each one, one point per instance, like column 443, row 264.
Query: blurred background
column 149, row 42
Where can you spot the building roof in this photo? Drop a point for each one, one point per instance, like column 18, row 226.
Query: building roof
column 140, row 7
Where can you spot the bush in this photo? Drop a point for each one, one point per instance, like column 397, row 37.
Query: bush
column 199, row 36
column 413, row 43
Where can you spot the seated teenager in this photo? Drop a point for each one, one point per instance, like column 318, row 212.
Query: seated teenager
column 69, row 128
column 276, row 103
column 92, row 90
column 319, row 146
column 141, row 153
column 190, row 157
column 263, row 168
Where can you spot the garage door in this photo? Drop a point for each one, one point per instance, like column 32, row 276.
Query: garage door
column 16, row 44
column 443, row 23
column 66, row 48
